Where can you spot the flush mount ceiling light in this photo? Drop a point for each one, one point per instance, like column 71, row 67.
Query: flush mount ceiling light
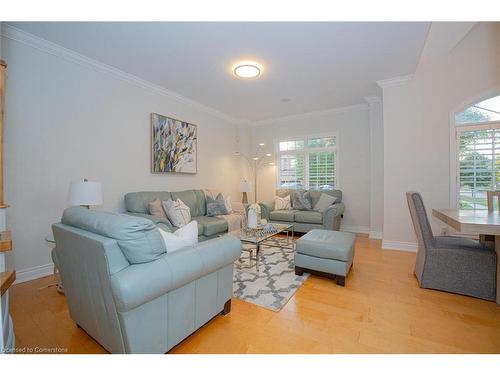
column 247, row 70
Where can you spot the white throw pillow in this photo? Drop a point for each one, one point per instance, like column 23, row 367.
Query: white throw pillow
column 177, row 212
column 183, row 237
column 324, row 202
column 282, row 203
column 227, row 203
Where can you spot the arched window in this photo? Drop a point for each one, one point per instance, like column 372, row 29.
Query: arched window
column 478, row 148
column 484, row 111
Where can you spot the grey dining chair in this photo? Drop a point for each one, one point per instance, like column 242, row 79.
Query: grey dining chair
column 452, row 264
column 490, row 195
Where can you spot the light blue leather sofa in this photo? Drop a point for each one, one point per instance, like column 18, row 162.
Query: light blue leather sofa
column 130, row 295
column 304, row 221
column 137, row 204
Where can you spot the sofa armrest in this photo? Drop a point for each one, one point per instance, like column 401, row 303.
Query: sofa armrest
column 141, row 283
column 154, row 219
column 266, row 208
column 331, row 213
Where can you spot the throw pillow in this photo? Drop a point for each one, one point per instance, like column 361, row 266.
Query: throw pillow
column 228, row 204
column 282, row 203
column 156, row 209
column 302, row 201
column 324, row 202
column 177, row 212
column 183, row 237
column 213, row 194
column 217, row 206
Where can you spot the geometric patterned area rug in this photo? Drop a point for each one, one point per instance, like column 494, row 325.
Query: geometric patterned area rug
column 272, row 281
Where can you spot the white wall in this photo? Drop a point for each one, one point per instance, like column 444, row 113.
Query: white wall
column 376, row 166
column 66, row 121
column 352, row 126
column 417, row 126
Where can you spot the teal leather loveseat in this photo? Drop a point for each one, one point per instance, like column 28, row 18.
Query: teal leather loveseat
column 304, row 221
column 130, row 295
column 137, row 204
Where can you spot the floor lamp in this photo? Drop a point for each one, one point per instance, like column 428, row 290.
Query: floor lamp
column 245, row 187
column 257, row 161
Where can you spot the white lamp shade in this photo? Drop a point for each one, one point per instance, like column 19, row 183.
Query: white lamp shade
column 85, row 193
column 245, row 187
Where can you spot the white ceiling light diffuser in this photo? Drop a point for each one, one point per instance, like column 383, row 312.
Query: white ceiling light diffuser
column 247, row 70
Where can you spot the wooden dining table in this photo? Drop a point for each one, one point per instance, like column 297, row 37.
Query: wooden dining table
column 474, row 222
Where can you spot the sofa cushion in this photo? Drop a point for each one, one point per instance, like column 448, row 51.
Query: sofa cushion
column 200, row 225
column 138, row 238
column 194, row 199
column 177, row 212
column 156, row 209
column 282, row 203
column 291, row 192
column 217, row 206
column 181, row 238
column 141, row 283
column 139, row 201
column 210, row 226
column 324, row 201
column 282, row 215
column 316, row 194
column 328, row 244
column 310, row 217
column 302, row 201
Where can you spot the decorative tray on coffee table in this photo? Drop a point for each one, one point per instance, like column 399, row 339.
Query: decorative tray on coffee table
column 260, row 231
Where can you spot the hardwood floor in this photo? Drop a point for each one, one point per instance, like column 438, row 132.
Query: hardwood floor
column 380, row 310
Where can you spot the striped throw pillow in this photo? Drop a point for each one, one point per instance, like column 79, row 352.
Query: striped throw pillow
column 177, row 212
column 282, row 203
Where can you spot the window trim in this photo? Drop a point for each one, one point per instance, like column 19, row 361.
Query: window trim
column 306, row 149
column 453, row 145
column 478, row 126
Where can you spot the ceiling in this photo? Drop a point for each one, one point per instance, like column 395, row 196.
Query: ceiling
column 316, row 66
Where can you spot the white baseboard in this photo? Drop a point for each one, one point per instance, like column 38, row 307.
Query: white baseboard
column 34, row 273
column 355, row 228
column 376, row 235
column 398, row 245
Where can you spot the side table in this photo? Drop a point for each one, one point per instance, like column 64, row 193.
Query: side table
column 51, row 243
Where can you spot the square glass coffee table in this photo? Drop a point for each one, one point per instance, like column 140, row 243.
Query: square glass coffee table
column 260, row 235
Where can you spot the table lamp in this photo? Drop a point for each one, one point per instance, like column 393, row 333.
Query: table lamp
column 245, row 188
column 85, row 193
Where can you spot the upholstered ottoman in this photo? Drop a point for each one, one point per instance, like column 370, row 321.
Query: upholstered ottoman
column 327, row 252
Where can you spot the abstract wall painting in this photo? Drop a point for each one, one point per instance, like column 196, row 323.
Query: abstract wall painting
column 173, row 145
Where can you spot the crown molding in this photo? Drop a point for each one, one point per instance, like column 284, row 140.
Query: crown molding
column 243, row 122
column 18, row 35
column 351, row 108
column 395, row 81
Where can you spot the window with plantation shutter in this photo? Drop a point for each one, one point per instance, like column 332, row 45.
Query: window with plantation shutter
column 478, row 164
column 308, row 163
column 321, row 170
column 292, row 170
